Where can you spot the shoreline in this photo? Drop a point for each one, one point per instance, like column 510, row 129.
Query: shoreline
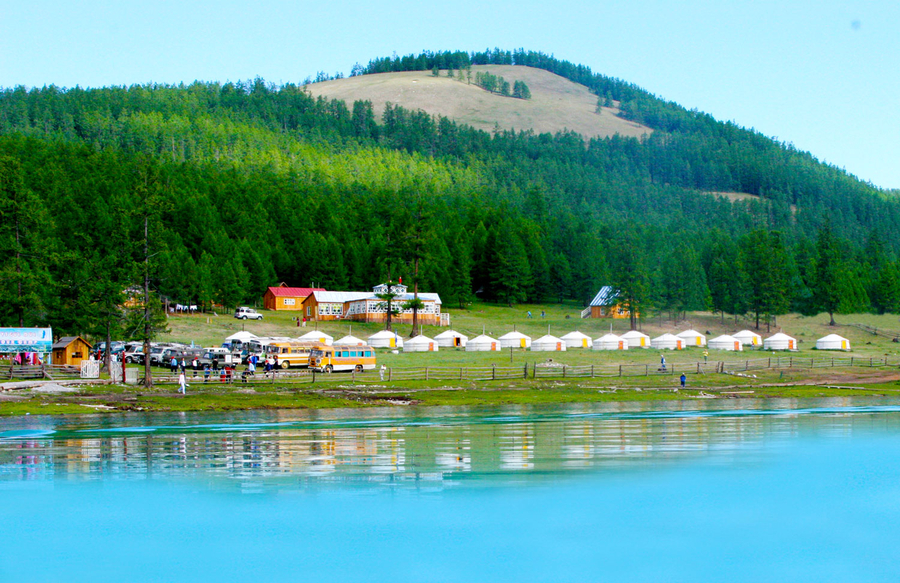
column 110, row 399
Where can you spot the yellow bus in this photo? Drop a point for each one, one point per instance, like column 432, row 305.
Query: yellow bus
column 291, row 353
column 342, row 357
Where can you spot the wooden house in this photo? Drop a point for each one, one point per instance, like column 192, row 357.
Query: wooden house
column 606, row 304
column 70, row 350
column 282, row 297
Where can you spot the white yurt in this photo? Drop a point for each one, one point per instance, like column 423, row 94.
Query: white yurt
column 548, row 343
column 726, row 342
column 420, row 344
column 316, row 336
column 692, row 338
column 610, row 342
column 668, row 342
column 350, row 341
column 833, row 342
column 749, row 338
column 577, row 340
column 637, row 339
column 515, row 340
column 242, row 336
column 482, row 343
column 385, row 339
column 451, row 339
column 780, row 341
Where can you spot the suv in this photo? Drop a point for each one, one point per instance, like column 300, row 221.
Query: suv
column 245, row 313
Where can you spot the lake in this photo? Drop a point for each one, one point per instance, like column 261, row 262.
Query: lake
column 739, row 490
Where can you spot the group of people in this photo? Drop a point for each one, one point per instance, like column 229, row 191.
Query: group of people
column 226, row 374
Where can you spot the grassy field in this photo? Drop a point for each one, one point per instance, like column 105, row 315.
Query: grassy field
column 556, row 103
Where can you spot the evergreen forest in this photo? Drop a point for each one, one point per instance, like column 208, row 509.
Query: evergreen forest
column 217, row 190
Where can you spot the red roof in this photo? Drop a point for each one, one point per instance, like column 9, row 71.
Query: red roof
column 294, row 292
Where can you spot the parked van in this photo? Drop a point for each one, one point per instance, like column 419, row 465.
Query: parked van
column 291, row 353
column 245, row 313
column 342, row 357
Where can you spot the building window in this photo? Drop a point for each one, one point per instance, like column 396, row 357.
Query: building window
column 290, row 302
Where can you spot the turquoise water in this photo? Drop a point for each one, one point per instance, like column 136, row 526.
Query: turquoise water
column 760, row 491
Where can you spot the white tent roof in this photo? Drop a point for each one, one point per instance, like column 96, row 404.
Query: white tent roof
column 316, row 336
column 351, row 340
column 692, row 338
column 481, row 343
column 450, row 334
column 242, row 336
column 576, row 339
column 634, row 334
column 636, row 339
column 832, row 342
column 610, row 341
column 514, row 336
column 667, row 340
column 748, row 337
column 420, row 339
column 548, row 341
column 482, row 339
column 780, row 341
column 724, row 342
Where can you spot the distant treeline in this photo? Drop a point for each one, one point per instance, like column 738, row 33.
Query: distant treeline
column 243, row 185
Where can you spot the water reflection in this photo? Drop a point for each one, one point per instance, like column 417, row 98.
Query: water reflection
column 433, row 446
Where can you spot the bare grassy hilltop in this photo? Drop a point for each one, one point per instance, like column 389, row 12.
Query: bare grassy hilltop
column 556, row 103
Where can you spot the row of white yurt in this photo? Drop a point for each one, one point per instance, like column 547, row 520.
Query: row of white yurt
column 610, row 342
column 420, row 344
column 692, row 338
column 515, row 340
column 451, row 339
column 726, row 342
column 667, row 342
column 832, row 342
column 385, row 339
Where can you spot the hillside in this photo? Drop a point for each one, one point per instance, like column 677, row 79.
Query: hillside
column 556, row 105
column 239, row 186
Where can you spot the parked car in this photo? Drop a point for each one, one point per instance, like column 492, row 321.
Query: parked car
column 134, row 355
column 245, row 313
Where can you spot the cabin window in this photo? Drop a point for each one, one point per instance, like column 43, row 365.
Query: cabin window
column 290, row 301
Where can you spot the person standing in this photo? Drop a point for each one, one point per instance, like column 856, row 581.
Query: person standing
column 206, row 372
column 662, row 362
column 182, row 383
column 173, row 364
column 683, row 380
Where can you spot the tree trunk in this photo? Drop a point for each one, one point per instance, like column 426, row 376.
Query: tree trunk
column 832, row 322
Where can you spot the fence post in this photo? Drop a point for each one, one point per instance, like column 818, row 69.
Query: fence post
column 461, row 372
column 526, row 370
column 391, row 373
column 870, row 362
column 493, row 372
column 426, row 373
column 832, row 362
column 620, row 370
column 592, row 371
column 313, row 377
column 533, row 370
column 791, row 362
column 646, row 370
column 746, row 365
column 564, row 371
column 698, row 368
column 851, row 361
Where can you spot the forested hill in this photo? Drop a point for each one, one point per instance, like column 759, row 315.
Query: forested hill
column 243, row 185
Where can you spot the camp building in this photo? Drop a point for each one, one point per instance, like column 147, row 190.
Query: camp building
column 282, row 297
column 606, row 304
column 368, row 307
column 70, row 350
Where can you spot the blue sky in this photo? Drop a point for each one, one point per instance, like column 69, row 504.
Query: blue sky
column 824, row 75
